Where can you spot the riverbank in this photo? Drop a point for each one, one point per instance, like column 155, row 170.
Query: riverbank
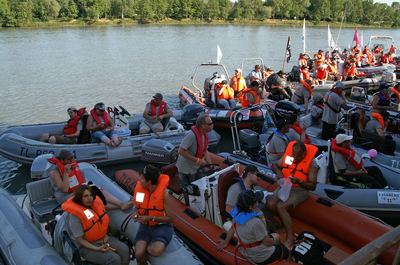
column 131, row 22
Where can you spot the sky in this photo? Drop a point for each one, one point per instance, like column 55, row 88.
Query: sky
column 389, row 2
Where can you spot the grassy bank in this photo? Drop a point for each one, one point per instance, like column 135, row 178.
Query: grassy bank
column 130, row 22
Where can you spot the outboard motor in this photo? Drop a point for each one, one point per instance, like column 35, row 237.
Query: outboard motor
column 40, row 166
column 190, row 113
column 286, row 110
column 294, row 75
column 249, row 141
column 159, row 151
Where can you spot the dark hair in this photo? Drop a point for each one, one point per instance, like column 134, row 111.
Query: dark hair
column 249, row 169
column 299, row 144
column 246, row 199
column 65, row 154
column 280, row 123
column 255, row 83
column 78, row 193
column 151, row 173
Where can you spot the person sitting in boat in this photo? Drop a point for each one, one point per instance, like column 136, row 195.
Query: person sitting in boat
column 156, row 115
column 350, row 71
column 238, row 83
column 370, row 58
column 71, row 130
column 225, row 95
column 319, row 58
column 297, row 165
column 303, row 93
column 87, row 225
column 276, row 145
column 250, row 228
column 155, row 230
column 247, row 181
column 267, row 72
column 304, row 73
column 277, row 86
column 317, row 108
column 303, row 60
column 347, row 162
column 193, row 150
column 65, row 177
column 334, row 101
column 333, row 73
column 375, row 131
column 386, row 58
column 256, row 74
column 382, row 99
column 101, row 126
column 251, row 96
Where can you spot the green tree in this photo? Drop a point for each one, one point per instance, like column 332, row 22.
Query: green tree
column 45, row 9
column 21, row 11
column 143, row 10
column 320, row 10
column 68, row 9
column 337, row 7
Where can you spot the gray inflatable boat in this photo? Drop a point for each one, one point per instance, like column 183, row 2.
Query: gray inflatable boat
column 21, row 242
column 42, row 203
column 21, row 143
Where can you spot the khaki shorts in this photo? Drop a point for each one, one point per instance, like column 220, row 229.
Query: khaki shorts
column 297, row 196
column 61, row 139
column 146, row 127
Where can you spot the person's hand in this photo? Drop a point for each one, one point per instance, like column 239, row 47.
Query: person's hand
column 221, row 245
column 143, row 219
column 202, row 162
column 295, row 180
column 160, row 117
column 126, row 206
column 105, row 247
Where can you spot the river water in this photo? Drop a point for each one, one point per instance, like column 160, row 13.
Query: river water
column 44, row 71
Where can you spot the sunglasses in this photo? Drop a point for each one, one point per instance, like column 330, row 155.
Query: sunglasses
column 209, row 124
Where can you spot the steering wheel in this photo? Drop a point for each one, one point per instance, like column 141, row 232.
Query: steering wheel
column 207, row 169
column 124, row 111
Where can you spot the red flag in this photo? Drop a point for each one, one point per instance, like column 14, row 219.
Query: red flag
column 356, row 39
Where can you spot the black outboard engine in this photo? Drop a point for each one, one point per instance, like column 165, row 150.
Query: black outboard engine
column 249, row 141
column 294, row 75
column 286, row 110
column 190, row 113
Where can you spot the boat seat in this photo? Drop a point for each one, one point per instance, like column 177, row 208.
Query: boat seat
column 174, row 181
column 42, row 200
column 225, row 181
column 76, row 256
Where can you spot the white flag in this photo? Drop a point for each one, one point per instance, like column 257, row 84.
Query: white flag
column 219, row 54
column 331, row 42
column 303, row 37
column 362, row 38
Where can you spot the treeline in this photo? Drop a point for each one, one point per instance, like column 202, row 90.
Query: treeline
column 15, row 13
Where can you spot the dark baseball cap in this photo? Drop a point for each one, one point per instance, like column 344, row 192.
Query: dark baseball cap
column 158, row 96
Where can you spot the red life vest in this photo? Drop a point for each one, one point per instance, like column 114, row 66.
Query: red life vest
column 94, row 219
column 96, row 117
column 151, row 204
column 296, row 126
column 305, row 73
column 350, row 70
column 306, row 86
column 302, row 168
column 161, row 108
column 379, row 118
column 349, row 154
column 396, row 93
column 72, row 124
column 322, row 74
column 75, row 177
column 238, row 84
column 385, row 58
column 245, row 102
column 201, row 146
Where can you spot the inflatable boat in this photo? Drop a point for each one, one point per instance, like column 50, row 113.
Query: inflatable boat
column 21, row 143
column 343, row 229
column 21, row 242
column 42, row 205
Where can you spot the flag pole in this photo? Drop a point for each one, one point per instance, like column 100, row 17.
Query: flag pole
column 288, row 54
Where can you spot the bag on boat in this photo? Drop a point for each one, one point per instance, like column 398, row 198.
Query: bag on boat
column 284, row 190
column 308, row 249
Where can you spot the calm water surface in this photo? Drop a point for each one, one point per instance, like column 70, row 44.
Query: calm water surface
column 44, row 71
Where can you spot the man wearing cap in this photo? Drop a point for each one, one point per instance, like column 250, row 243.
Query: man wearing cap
column 238, row 83
column 71, row 130
column 335, row 100
column 156, row 115
column 347, row 162
column 101, row 126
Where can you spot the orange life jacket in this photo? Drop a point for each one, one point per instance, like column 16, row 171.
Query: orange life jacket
column 350, row 70
column 201, row 146
column 392, row 49
column 302, row 168
column 151, row 204
column 296, row 127
column 306, row 86
column 385, row 58
column 396, row 93
column 379, row 118
column 349, row 154
column 96, row 117
column 161, row 108
column 72, row 124
column 238, row 84
column 322, row 74
column 245, row 102
column 319, row 59
column 94, row 220
column 75, row 177
column 227, row 92
column 305, row 73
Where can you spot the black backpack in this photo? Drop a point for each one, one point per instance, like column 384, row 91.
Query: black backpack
column 309, row 250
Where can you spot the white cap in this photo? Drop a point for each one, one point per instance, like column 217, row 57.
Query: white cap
column 238, row 70
column 340, row 138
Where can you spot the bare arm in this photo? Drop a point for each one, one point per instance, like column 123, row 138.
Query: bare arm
column 277, row 167
column 91, row 126
column 161, row 219
column 223, row 244
column 61, row 182
column 199, row 161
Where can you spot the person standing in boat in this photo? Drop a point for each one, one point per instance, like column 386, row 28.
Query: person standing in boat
column 297, row 165
column 193, row 150
column 101, row 126
column 334, row 101
column 87, row 225
column 251, row 230
column 156, row 115
column 71, row 130
column 238, row 83
column 155, row 230
column 347, row 162
column 303, row 93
